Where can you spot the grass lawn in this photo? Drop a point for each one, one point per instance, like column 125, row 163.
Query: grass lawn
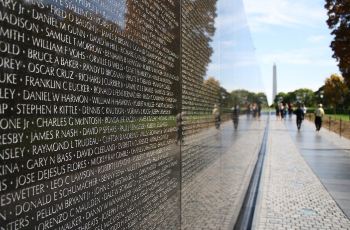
column 344, row 117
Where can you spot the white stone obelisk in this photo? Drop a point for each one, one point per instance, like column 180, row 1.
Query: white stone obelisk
column 274, row 86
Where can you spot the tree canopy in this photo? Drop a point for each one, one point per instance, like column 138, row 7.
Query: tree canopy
column 339, row 22
column 303, row 95
column 244, row 97
column 335, row 90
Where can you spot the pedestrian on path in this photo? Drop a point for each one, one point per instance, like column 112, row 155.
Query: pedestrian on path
column 304, row 108
column 299, row 112
column 290, row 109
column 319, row 113
column 277, row 108
column 281, row 107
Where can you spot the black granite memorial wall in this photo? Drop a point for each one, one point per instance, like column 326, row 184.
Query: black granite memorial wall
column 90, row 98
column 89, row 92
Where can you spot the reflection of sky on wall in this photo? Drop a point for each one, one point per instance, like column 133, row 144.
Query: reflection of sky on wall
column 111, row 10
column 234, row 62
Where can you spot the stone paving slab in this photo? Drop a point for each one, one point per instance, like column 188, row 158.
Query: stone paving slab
column 328, row 156
column 291, row 195
column 334, row 138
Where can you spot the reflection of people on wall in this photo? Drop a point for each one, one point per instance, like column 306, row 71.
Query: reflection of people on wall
column 216, row 114
column 180, row 117
column 235, row 116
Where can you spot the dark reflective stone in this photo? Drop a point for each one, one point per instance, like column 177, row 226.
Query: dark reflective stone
column 89, row 92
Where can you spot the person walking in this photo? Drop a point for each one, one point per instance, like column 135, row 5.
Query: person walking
column 290, row 109
column 281, row 107
column 299, row 112
column 255, row 110
column 285, row 112
column 304, row 108
column 277, row 108
column 319, row 113
column 235, row 116
column 216, row 114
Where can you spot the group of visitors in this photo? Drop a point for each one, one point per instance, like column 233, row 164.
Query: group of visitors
column 234, row 115
column 254, row 109
column 282, row 109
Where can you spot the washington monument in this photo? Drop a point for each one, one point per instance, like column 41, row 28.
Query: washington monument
column 274, row 92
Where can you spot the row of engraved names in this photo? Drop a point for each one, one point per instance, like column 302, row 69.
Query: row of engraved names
column 62, row 79
column 59, row 164
column 68, row 11
column 73, row 151
column 70, row 69
column 44, row 102
column 138, row 187
column 99, row 50
column 88, row 125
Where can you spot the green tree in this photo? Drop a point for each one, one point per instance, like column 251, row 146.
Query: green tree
column 225, row 98
column 280, row 97
column 339, row 22
column 214, row 85
column 244, row 97
column 240, row 96
column 335, row 91
column 290, row 97
column 306, row 96
column 262, row 98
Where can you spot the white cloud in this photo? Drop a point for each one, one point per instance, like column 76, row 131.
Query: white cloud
column 232, row 22
column 316, row 38
column 286, row 13
column 231, row 17
column 228, row 44
column 303, row 56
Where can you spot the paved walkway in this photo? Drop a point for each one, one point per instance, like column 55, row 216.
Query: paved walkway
column 291, row 195
column 328, row 155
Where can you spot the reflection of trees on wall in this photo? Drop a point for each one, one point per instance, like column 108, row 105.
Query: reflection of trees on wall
column 198, row 97
column 339, row 22
column 243, row 98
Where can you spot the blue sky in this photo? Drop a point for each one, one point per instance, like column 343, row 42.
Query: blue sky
column 253, row 34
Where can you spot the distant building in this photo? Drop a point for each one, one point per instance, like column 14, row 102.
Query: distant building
column 274, row 86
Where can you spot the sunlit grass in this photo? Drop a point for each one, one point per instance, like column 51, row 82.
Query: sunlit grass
column 344, row 117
